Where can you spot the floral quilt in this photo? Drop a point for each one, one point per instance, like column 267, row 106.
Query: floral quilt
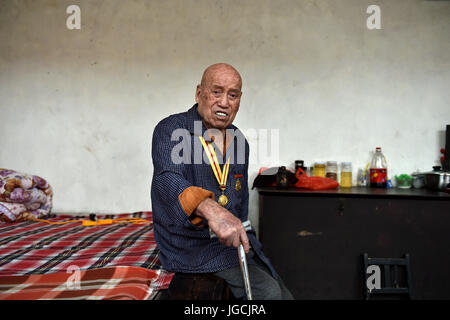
column 23, row 196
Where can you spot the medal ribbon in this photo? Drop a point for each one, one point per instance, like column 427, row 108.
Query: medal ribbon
column 220, row 176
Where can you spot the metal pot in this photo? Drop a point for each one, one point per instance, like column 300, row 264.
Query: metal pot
column 437, row 179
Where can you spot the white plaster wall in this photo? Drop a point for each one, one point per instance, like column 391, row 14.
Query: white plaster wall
column 78, row 107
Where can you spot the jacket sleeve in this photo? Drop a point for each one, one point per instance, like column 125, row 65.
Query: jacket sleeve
column 172, row 194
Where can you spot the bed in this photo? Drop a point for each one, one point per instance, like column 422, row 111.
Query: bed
column 61, row 258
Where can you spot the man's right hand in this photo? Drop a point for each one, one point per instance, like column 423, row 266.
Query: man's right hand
column 226, row 226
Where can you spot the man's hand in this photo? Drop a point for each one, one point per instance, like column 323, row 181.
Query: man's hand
column 226, row 226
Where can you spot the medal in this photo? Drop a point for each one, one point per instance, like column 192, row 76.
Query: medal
column 238, row 185
column 221, row 176
column 223, row 200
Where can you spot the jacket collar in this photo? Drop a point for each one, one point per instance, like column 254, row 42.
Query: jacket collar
column 194, row 121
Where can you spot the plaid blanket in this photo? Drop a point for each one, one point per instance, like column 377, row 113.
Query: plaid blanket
column 37, row 248
column 116, row 283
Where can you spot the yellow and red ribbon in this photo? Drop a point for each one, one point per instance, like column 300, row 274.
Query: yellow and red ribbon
column 221, row 175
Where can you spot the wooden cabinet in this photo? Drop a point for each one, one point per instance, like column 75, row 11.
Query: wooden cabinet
column 316, row 240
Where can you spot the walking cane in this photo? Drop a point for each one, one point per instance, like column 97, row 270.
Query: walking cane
column 242, row 261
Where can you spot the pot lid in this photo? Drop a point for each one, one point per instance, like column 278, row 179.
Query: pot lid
column 437, row 171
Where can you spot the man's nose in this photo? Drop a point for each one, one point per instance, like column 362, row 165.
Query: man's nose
column 223, row 100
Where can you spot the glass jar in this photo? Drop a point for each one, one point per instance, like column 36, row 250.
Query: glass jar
column 418, row 180
column 346, row 175
column 331, row 170
column 319, row 169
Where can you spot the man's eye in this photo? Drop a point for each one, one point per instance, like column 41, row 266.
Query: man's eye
column 233, row 96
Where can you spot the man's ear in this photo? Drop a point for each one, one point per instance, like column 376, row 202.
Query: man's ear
column 198, row 91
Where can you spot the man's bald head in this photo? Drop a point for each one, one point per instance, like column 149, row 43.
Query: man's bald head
column 216, row 68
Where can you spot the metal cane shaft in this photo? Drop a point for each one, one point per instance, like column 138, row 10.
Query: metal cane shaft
column 244, row 270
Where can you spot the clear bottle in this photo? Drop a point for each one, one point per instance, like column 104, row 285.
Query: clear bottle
column 331, row 170
column 362, row 176
column 346, row 175
column 378, row 170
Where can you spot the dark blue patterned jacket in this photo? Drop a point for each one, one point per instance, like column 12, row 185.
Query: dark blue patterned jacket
column 185, row 247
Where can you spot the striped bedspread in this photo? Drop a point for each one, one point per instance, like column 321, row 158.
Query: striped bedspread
column 115, row 283
column 113, row 256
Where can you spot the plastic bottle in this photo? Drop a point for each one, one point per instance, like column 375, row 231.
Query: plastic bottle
column 331, row 170
column 346, row 175
column 378, row 170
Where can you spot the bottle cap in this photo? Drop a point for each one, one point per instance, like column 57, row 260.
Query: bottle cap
column 346, row 165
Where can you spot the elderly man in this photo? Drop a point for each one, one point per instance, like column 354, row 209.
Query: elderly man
column 200, row 157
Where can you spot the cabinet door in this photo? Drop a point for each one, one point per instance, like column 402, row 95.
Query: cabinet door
column 316, row 243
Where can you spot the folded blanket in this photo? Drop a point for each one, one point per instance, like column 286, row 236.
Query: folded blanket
column 23, row 196
column 114, row 283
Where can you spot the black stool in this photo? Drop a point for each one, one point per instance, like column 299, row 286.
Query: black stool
column 191, row 286
column 396, row 273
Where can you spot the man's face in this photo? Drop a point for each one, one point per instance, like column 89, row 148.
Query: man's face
column 219, row 96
